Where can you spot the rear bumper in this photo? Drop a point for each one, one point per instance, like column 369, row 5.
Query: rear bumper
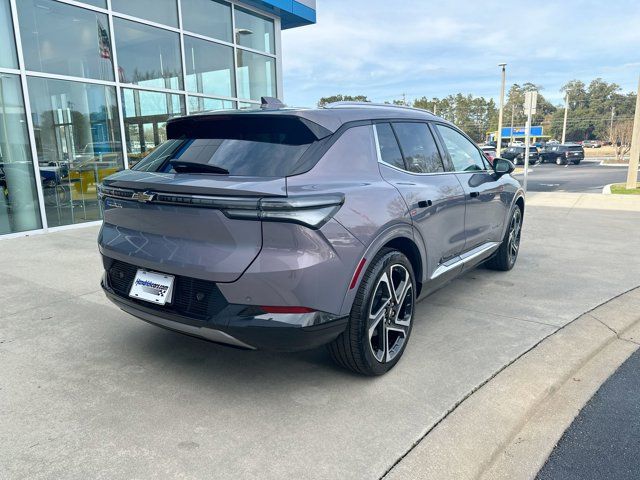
column 235, row 327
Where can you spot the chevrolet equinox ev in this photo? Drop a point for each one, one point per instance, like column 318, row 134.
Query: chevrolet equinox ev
column 286, row 229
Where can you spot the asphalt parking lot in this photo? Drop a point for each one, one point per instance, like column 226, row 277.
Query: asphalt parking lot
column 88, row 392
column 588, row 177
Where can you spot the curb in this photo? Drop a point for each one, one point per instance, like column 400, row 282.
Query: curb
column 606, row 190
column 502, row 430
column 604, row 164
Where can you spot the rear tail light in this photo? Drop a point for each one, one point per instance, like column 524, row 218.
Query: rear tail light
column 312, row 210
column 309, row 210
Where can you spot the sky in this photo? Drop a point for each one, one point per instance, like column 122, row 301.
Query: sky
column 434, row 48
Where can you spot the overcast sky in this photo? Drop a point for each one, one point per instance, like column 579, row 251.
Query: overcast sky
column 382, row 48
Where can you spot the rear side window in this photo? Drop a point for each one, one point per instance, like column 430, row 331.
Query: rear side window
column 240, row 145
column 418, row 148
column 389, row 150
column 575, row 148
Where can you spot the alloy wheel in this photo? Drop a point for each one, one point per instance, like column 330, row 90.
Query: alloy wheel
column 515, row 229
column 390, row 313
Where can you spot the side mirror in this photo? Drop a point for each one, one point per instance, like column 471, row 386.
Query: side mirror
column 502, row 166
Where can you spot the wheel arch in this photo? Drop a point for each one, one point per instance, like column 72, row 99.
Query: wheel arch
column 401, row 237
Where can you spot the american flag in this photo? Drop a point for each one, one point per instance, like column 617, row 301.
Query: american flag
column 104, row 45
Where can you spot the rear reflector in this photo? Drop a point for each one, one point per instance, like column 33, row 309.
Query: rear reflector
column 356, row 275
column 287, row 309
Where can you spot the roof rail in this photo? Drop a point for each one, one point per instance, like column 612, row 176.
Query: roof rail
column 373, row 105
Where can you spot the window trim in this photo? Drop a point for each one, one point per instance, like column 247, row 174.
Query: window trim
column 375, row 124
column 444, row 146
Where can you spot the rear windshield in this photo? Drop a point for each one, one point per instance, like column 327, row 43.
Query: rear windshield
column 575, row 147
column 247, row 149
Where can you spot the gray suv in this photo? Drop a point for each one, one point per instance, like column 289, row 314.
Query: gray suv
column 285, row 229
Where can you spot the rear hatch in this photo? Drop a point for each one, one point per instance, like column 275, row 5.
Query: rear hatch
column 177, row 210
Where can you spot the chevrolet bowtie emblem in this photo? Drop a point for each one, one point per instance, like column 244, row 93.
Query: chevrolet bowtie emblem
column 143, row 197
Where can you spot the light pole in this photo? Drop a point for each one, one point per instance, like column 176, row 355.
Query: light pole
column 564, row 124
column 499, row 143
column 632, row 174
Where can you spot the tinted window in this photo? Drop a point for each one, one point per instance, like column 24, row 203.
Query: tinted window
column 575, row 147
column 464, row 154
column 389, row 149
column 254, row 31
column 245, row 146
column 66, row 40
column 207, row 17
column 256, row 75
column 418, row 148
column 148, row 56
column 209, row 67
column 161, row 11
column 8, row 56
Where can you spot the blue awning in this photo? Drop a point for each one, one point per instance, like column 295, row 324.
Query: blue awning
column 293, row 13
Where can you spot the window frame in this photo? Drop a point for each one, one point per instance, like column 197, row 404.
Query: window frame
column 444, row 159
column 485, row 162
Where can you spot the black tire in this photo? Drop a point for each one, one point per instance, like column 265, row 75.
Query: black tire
column 354, row 348
column 559, row 161
column 515, row 160
column 576, row 162
column 506, row 256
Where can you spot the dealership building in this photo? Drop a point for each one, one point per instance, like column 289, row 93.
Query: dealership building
column 86, row 88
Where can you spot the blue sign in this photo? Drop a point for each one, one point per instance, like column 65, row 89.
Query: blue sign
column 536, row 131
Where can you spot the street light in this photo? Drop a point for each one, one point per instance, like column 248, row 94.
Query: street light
column 499, row 143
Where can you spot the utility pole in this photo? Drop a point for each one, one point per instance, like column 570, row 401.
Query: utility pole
column 632, row 174
column 404, row 99
column 513, row 114
column 530, row 103
column 564, row 124
column 613, row 114
column 435, row 108
column 500, row 112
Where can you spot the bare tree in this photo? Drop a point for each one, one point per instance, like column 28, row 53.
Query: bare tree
column 621, row 134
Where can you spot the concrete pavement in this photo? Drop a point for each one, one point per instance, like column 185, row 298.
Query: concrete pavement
column 88, row 392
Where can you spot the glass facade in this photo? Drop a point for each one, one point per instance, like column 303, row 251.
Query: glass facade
column 78, row 144
column 19, row 209
column 65, row 40
column 8, row 57
column 87, row 87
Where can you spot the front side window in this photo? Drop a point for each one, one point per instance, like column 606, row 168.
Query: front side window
column 65, row 40
column 464, row 154
column 389, row 150
column 418, row 147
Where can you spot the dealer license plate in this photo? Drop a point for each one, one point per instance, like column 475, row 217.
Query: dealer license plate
column 152, row 287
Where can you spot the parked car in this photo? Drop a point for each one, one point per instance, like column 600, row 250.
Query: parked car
column 285, row 229
column 563, row 154
column 516, row 155
column 592, row 144
column 489, row 152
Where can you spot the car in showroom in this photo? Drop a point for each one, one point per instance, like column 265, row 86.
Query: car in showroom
column 516, row 154
column 286, row 229
column 562, row 154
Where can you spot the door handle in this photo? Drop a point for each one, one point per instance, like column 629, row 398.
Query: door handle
column 424, row 203
column 474, row 194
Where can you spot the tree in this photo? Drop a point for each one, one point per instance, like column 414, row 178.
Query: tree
column 621, row 134
column 342, row 98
